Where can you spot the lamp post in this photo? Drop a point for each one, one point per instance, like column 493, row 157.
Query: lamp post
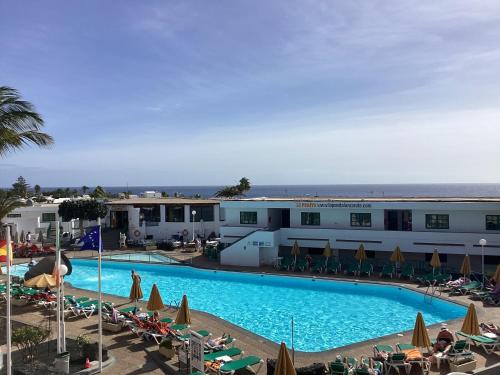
column 483, row 243
column 193, row 213
column 8, row 323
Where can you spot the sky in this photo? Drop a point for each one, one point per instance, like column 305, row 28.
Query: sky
column 282, row 92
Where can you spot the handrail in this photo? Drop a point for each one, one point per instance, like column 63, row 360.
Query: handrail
column 242, row 238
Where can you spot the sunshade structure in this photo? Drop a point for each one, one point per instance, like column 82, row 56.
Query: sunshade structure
column 295, row 250
column 284, row 365
column 183, row 315
column 155, row 302
column 420, row 336
column 22, row 237
column 3, row 251
column 327, row 253
column 471, row 324
column 465, row 269
column 435, row 261
column 360, row 254
column 397, row 256
column 136, row 291
column 496, row 276
column 41, row 281
column 16, row 237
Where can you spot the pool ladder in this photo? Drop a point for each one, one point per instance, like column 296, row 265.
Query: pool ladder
column 431, row 292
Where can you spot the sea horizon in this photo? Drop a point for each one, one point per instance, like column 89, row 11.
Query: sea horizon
column 321, row 190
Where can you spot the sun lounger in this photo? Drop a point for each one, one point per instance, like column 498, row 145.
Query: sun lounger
column 366, row 269
column 231, row 352
column 301, row 265
column 240, row 364
column 488, row 344
column 85, row 308
column 457, row 351
column 338, row 368
column 400, row 347
column 333, row 266
column 397, row 361
column 467, row 288
column 352, row 269
column 287, row 263
column 380, row 351
column 387, row 271
column 318, row 266
column 407, row 272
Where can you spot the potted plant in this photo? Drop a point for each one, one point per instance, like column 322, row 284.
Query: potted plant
column 109, row 326
column 28, row 340
column 166, row 348
column 83, row 342
column 463, row 364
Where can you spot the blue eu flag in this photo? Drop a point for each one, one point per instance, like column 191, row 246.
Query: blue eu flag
column 91, row 239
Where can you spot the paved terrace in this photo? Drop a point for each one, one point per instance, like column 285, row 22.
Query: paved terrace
column 136, row 356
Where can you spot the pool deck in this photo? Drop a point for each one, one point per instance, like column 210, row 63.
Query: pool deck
column 136, row 356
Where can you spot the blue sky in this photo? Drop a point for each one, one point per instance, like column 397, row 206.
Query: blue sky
column 283, row 92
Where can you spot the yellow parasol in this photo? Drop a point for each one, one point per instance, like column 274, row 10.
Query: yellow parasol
column 496, row 276
column 471, row 325
column 136, row 291
column 435, row 261
column 465, row 269
column 155, row 302
column 397, row 256
column 295, row 250
column 284, row 365
column 420, row 336
column 183, row 315
column 41, row 281
column 327, row 253
column 360, row 254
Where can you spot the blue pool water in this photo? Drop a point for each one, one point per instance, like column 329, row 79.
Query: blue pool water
column 141, row 257
column 327, row 314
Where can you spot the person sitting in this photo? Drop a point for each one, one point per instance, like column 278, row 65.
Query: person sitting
column 218, row 343
column 443, row 339
column 155, row 318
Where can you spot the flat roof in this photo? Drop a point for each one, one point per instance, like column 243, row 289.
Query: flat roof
column 370, row 199
column 153, row 201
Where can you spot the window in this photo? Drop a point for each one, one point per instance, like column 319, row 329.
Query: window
column 222, row 214
column 436, row 221
column 310, row 218
column 48, row 216
column 174, row 214
column 151, row 215
column 247, row 217
column 443, row 258
column 205, row 213
column 492, row 222
column 361, row 219
column 13, row 215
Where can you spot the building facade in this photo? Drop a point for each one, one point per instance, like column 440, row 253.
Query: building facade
column 256, row 231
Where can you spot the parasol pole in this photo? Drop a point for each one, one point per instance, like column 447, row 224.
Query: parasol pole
column 99, row 304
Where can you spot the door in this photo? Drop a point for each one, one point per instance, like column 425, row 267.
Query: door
column 285, row 218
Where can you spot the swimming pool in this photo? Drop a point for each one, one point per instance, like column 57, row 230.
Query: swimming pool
column 142, row 257
column 327, row 314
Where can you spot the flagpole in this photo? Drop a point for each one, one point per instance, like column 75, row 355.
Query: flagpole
column 8, row 328
column 58, row 285
column 100, row 294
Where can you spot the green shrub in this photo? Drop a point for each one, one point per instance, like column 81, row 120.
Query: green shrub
column 27, row 339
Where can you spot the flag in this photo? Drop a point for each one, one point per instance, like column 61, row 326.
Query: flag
column 91, row 239
column 3, row 251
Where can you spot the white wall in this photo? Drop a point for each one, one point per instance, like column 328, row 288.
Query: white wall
column 252, row 251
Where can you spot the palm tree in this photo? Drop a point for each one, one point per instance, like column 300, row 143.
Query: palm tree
column 8, row 203
column 20, row 125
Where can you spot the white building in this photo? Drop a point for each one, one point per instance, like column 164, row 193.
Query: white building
column 140, row 218
column 162, row 218
column 258, row 230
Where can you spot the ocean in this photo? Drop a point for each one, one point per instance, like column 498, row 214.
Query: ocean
column 358, row 190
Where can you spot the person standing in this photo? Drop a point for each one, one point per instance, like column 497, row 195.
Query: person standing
column 28, row 238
